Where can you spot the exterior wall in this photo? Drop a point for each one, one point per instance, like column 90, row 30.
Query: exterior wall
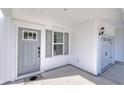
column 83, row 42
column 46, row 63
column 56, row 61
column 83, row 47
column 9, row 46
column 4, row 47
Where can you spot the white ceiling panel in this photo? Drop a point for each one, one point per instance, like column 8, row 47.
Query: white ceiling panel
column 69, row 17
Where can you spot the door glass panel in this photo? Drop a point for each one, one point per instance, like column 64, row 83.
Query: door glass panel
column 29, row 41
column 34, row 35
column 25, row 35
column 30, row 35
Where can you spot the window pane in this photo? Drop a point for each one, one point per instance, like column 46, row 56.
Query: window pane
column 58, row 37
column 61, row 38
column 30, row 35
column 25, row 35
column 55, row 36
column 55, row 40
column 34, row 35
column 58, row 49
column 48, row 43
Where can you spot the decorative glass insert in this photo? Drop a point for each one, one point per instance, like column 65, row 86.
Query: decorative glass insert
column 25, row 35
column 29, row 35
column 34, row 35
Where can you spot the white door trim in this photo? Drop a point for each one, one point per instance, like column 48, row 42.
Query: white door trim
column 33, row 26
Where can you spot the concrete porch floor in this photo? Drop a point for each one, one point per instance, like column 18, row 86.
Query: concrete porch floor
column 70, row 75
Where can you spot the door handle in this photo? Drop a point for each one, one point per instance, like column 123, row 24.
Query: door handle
column 38, row 48
column 106, row 53
column 38, row 51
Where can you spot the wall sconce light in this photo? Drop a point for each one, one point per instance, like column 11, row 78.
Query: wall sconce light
column 102, row 30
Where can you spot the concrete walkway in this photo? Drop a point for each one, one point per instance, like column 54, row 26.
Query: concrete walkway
column 67, row 75
column 115, row 73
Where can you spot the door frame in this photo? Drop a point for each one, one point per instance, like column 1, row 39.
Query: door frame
column 31, row 25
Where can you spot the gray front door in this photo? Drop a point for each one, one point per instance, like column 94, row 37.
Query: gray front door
column 28, row 50
column 106, row 51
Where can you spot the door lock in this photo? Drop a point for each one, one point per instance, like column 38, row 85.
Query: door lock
column 38, row 51
column 38, row 48
column 106, row 53
column 110, row 57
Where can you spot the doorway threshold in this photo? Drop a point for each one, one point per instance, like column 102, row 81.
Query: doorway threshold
column 106, row 68
column 28, row 74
